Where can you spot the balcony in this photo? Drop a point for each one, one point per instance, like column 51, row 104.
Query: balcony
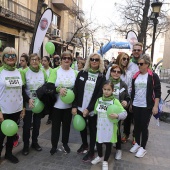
column 62, row 4
column 20, row 15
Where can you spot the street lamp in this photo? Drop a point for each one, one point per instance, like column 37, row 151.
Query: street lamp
column 156, row 8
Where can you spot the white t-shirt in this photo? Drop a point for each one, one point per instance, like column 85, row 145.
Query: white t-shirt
column 133, row 68
column 116, row 90
column 140, row 90
column 11, row 99
column 88, row 91
column 65, row 78
column 33, row 81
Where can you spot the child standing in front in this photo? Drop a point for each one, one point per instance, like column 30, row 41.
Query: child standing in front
column 106, row 129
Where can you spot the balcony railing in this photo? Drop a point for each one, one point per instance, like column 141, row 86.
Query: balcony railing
column 17, row 12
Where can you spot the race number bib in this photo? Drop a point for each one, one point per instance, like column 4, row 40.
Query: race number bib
column 33, row 94
column 13, row 82
column 116, row 91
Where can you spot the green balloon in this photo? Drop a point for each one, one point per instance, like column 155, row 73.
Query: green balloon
column 78, row 123
column 50, row 47
column 113, row 109
column 9, row 127
column 38, row 106
column 69, row 97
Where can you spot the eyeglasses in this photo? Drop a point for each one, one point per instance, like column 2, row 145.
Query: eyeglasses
column 56, row 59
column 66, row 58
column 140, row 64
column 94, row 59
column 35, row 59
column 9, row 55
column 125, row 59
column 136, row 50
column 115, row 71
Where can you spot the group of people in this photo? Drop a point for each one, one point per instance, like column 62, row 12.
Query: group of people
column 128, row 84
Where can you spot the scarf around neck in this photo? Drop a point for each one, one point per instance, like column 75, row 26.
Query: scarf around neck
column 134, row 60
column 107, row 98
column 114, row 81
column 93, row 71
column 34, row 69
column 9, row 68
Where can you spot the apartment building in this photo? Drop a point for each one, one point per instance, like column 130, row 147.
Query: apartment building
column 17, row 20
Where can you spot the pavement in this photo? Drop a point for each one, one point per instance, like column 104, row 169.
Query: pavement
column 157, row 157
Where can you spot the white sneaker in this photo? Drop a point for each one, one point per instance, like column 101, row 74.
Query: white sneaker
column 135, row 148
column 105, row 165
column 141, row 152
column 97, row 160
column 118, row 155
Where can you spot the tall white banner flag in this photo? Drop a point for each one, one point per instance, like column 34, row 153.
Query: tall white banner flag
column 44, row 23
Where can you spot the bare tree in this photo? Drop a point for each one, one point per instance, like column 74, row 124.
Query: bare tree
column 136, row 16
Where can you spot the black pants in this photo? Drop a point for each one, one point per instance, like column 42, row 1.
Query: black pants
column 107, row 152
column 141, row 122
column 59, row 116
column 10, row 139
column 118, row 144
column 92, row 123
column 27, row 125
column 127, row 123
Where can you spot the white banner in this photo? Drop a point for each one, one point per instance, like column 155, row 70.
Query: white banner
column 131, row 38
column 44, row 23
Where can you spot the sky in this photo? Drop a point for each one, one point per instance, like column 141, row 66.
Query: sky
column 101, row 10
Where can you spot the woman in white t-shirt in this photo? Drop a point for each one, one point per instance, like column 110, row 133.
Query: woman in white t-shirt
column 11, row 98
column 34, row 77
column 87, row 89
column 146, row 91
column 64, row 78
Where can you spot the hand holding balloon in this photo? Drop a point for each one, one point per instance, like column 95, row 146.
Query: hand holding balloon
column 85, row 112
column 31, row 103
column 113, row 116
column 1, row 117
column 74, row 111
column 68, row 96
column 63, row 91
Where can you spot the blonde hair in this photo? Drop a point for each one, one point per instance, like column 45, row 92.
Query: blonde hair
column 67, row 53
column 138, row 44
column 119, row 61
column 101, row 65
column 8, row 50
column 146, row 59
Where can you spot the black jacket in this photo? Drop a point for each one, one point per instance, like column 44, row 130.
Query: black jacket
column 124, row 95
column 153, row 89
column 79, row 90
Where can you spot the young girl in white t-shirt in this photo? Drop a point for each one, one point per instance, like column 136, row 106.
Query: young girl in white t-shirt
column 107, row 125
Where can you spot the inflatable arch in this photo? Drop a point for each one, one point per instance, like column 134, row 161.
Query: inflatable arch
column 131, row 38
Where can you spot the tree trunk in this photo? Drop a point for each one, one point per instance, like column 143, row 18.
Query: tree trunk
column 144, row 25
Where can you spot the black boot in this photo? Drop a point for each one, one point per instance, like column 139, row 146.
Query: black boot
column 11, row 158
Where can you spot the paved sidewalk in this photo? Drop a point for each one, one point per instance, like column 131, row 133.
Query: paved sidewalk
column 157, row 157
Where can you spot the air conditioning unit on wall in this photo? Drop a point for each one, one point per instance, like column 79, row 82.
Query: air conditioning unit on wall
column 56, row 33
